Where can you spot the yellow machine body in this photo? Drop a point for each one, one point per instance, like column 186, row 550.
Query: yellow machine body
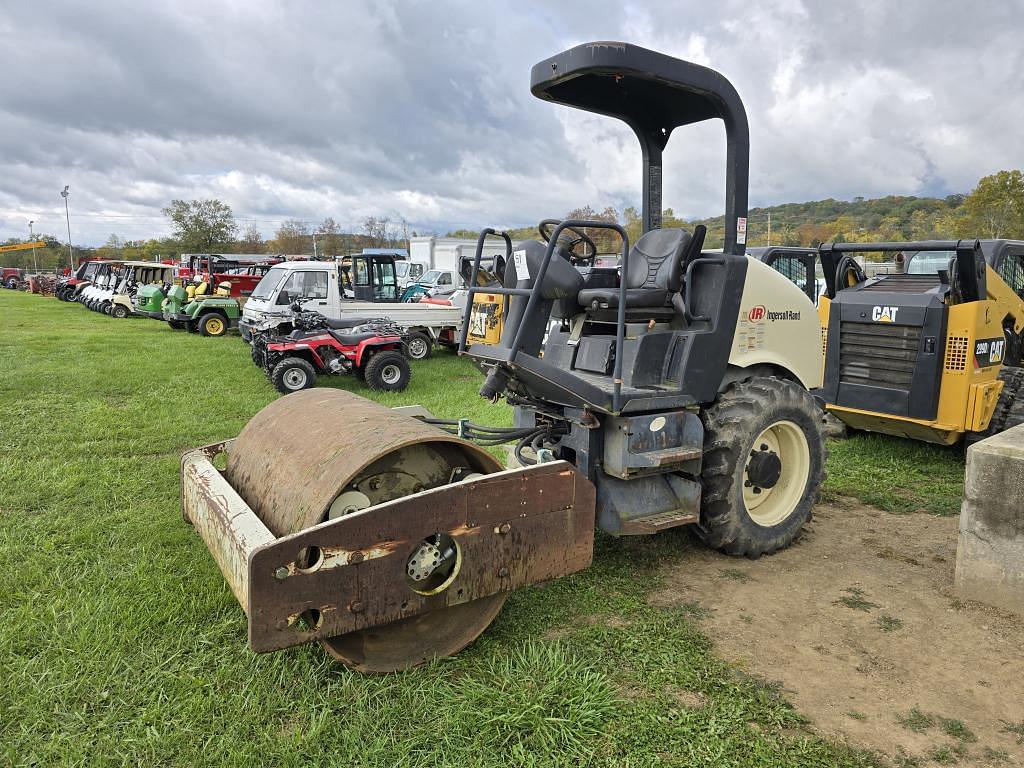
column 968, row 391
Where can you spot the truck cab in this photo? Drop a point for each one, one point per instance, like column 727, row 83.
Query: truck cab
column 364, row 285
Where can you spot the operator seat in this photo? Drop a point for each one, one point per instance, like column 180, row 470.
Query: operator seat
column 654, row 272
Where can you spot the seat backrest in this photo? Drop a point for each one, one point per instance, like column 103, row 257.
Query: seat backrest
column 654, row 262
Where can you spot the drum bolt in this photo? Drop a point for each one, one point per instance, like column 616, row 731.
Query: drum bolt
column 502, row 572
column 505, row 528
column 356, row 557
column 356, row 606
column 281, row 573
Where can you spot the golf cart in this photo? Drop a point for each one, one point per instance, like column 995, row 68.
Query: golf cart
column 97, row 295
column 136, row 276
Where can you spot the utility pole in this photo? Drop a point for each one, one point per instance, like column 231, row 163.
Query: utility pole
column 769, row 229
column 71, row 254
column 314, row 247
column 32, row 238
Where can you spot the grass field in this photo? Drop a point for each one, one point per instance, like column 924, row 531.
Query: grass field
column 121, row 643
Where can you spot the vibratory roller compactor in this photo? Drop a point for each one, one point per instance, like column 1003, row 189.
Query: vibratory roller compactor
column 670, row 391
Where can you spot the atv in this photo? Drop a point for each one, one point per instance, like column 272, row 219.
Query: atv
column 370, row 348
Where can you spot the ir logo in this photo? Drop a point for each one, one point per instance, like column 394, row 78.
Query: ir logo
column 757, row 313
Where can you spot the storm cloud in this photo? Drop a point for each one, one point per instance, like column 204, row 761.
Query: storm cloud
column 295, row 109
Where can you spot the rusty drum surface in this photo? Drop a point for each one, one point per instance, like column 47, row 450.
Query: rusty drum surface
column 297, row 455
column 303, row 451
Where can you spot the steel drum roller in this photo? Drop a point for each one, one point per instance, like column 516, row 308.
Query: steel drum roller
column 304, row 452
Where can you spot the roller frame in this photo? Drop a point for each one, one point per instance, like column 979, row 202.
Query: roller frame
column 513, row 528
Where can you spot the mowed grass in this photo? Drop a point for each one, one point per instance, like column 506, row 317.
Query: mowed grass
column 121, row 643
column 896, row 474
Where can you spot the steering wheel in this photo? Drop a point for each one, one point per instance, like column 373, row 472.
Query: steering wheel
column 585, row 259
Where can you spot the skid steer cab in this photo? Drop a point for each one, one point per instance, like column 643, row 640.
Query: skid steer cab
column 370, row 348
column 674, row 393
column 932, row 353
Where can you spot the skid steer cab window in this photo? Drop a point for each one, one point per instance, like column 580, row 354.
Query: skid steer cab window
column 304, row 285
column 799, row 272
column 1012, row 271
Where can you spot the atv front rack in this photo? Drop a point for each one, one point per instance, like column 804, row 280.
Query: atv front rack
column 511, row 529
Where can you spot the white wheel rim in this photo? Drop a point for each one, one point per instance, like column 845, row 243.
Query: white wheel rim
column 770, row 506
column 294, row 378
column 390, row 374
column 417, row 349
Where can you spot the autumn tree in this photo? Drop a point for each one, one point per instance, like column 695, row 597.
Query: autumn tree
column 251, row 240
column 382, row 232
column 606, row 240
column 201, row 226
column 329, row 238
column 292, row 236
column 996, row 205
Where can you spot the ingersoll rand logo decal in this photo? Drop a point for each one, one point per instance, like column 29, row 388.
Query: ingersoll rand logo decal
column 761, row 312
column 884, row 314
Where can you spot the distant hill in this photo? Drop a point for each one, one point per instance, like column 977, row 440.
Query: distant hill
column 885, row 218
column 995, row 208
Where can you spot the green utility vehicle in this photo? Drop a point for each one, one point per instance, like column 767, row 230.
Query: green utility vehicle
column 209, row 314
column 149, row 299
column 212, row 314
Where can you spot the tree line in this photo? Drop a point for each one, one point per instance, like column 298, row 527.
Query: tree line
column 993, row 209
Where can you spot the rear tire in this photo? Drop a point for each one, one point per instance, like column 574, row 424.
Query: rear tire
column 293, row 374
column 418, row 346
column 213, row 324
column 764, row 461
column 119, row 311
column 387, row 371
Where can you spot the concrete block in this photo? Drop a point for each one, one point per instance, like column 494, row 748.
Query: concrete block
column 990, row 554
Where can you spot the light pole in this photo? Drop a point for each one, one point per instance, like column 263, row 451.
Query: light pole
column 71, row 254
column 32, row 239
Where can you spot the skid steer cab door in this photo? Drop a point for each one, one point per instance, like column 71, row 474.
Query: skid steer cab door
column 795, row 264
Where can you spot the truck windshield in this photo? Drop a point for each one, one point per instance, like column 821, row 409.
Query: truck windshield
column 270, row 282
column 401, row 268
column 431, row 277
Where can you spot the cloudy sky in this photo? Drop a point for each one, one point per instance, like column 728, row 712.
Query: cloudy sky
column 302, row 109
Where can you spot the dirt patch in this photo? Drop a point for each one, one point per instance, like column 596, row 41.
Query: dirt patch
column 860, row 624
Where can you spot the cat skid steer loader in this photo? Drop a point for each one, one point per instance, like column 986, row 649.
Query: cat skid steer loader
column 933, row 353
column 677, row 395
